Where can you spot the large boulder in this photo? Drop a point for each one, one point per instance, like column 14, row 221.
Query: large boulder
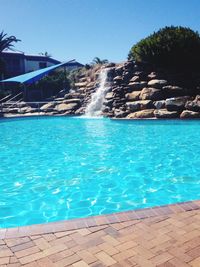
column 134, row 79
column 176, row 103
column 197, row 98
column 160, row 104
column 118, row 79
column 126, row 76
column 135, row 86
column 155, row 83
column 165, row 114
column 81, row 84
column 119, row 70
column 152, row 76
column 48, row 107
column 194, row 105
column 66, row 107
column 133, row 96
column 72, row 100
column 80, row 111
column 110, row 65
column 173, row 91
column 118, row 113
column 109, row 96
column 141, row 74
column 151, row 93
column 108, row 102
column 83, row 79
column 106, row 109
column 27, row 110
column 188, row 114
column 21, row 104
column 138, row 105
column 90, row 84
column 142, row 114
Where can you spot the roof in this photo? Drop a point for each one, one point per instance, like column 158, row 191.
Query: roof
column 34, row 76
column 12, row 51
column 41, row 58
column 8, row 52
column 31, row 57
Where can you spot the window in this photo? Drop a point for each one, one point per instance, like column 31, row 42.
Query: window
column 42, row 65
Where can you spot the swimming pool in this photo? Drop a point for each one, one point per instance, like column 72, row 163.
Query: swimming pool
column 62, row 168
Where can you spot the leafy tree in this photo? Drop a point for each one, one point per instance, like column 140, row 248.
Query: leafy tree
column 87, row 66
column 53, row 83
column 99, row 61
column 170, row 47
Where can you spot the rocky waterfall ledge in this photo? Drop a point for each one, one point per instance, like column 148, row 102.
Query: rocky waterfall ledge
column 134, row 92
column 138, row 92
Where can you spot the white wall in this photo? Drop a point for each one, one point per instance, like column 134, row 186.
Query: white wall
column 31, row 65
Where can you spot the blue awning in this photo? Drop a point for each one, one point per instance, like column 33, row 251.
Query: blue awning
column 34, row 76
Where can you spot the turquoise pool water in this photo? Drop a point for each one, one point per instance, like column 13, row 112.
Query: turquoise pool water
column 62, row 168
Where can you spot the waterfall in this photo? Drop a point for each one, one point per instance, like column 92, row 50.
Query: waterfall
column 94, row 107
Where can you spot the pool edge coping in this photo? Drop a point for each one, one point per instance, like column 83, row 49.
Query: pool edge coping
column 99, row 220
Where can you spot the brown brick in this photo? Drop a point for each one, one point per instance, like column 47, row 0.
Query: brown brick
column 49, row 237
column 61, row 255
column 16, row 264
column 68, row 261
column 26, row 252
column 195, row 263
column 31, row 258
column 110, row 240
column 124, row 255
column 105, row 258
column 45, row 262
column 110, row 250
column 16, row 241
column 195, row 252
column 178, row 262
column 5, row 252
column 4, row 260
column 80, row 264
column 42, row 244
column 87, row 256
column 22, row 246
column 126, row 245
column 164, row 257
column 141, row 261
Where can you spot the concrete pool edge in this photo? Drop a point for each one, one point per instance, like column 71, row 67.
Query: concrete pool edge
column 99, row 220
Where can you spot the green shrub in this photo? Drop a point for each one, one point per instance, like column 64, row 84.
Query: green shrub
column 52, row 84
column 170, row 47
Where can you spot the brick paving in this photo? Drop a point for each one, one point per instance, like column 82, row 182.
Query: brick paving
column 165, row 240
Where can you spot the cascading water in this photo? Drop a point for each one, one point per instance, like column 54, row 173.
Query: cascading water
column 95, row 106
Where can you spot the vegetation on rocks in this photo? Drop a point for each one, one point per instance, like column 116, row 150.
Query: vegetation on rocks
column 170, row 47
column 99, row 61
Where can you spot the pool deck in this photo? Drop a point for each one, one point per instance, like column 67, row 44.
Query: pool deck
column 162, row 236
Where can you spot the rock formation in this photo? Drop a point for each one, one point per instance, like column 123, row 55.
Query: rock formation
column 135, row 92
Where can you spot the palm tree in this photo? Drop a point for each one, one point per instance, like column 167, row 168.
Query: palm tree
column 7, row 41
column 99, row 61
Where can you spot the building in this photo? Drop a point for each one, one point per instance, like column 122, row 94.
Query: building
column 18, row 63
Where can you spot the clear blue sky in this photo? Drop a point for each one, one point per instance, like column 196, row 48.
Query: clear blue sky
column 84, row 29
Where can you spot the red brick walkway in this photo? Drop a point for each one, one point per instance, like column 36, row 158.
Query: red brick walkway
column 164, row 241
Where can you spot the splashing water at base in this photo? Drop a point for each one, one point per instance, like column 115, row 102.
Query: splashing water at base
column 94, row 108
